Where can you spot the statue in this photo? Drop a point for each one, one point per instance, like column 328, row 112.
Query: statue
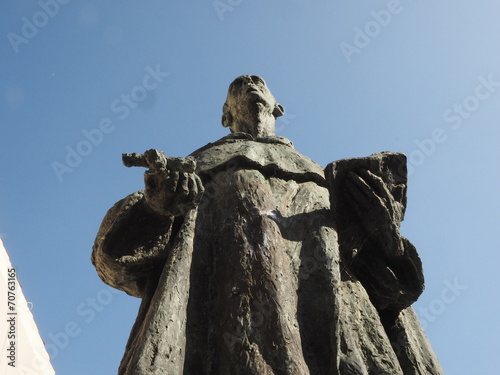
column 252, row 259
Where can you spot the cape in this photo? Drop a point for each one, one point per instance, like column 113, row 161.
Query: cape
column 255, row 279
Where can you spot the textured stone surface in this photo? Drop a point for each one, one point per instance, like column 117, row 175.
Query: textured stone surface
column 263, row 262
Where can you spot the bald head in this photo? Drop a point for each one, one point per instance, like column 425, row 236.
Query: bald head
column 250, row 107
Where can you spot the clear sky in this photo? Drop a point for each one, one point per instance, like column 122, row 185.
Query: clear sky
column 83, row 81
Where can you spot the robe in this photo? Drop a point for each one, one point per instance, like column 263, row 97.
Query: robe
column 253, row 281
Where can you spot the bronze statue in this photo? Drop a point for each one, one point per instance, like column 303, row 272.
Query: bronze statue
column 251, row 258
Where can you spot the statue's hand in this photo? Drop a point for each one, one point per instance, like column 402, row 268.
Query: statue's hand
column 377, row 210
column 169, row 192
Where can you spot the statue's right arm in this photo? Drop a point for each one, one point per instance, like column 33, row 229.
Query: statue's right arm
column 135, row 235
column 131, row 243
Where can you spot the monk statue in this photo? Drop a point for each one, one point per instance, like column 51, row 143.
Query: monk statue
column 252, row 259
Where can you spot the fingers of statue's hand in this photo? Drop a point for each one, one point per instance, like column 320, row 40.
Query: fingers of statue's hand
column 161, row 188
column 362, row 191
column 195, row 188
column 356, row 194
column 182, row 190
column 374, row 181
column 172, row 192
column 359, row 189
column 368, row 204
column 189, row 189
column 199, row 185
column 171, row 183
column 374, row 188
column 373, row 206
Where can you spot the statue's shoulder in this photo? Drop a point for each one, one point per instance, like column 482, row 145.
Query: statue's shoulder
column 235, row 140
column 273, row 154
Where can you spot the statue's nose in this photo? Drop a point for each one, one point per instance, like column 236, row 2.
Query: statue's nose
column 251, row 87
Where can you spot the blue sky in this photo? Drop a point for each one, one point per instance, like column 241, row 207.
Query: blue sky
column 419, row 77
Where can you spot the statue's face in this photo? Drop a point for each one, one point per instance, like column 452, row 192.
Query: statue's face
column 248, row 90
column 250, row 107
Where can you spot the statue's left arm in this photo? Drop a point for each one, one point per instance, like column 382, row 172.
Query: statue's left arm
column 369, row 198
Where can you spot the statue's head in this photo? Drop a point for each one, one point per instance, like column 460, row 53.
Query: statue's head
column 250, row 107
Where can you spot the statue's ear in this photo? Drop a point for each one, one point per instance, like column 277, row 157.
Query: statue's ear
column 278, row 110
column 227, row 118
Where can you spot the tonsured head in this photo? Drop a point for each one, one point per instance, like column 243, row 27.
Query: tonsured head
column 250, row 107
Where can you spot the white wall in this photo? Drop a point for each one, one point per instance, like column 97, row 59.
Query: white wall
column 21, row 348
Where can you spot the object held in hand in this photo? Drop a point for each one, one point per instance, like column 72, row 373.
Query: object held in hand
column 157, row 160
